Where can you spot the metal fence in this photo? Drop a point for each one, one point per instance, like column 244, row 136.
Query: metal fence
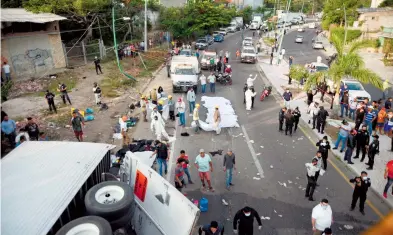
column 83, row 53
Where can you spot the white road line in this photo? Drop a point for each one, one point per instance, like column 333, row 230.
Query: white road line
column 170, row 163
column 253, row 154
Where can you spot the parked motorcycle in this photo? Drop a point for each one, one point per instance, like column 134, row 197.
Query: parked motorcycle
column 266, row 92
column 224, row 79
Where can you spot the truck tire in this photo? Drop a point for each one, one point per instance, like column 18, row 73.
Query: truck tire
column 92, row 225
column 110, row 200
column 122, row 221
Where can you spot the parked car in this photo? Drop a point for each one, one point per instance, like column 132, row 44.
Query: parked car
column 318, row 45
column 218, row 38
column 215, row 33
column 248, row 55
column 311, row 26
column 232, row 29
column 299, row 39
column 209, row 39
column 205, row 58
column 186, row 52
column 297, row 21
column 201, row 44
column 224, row 30
column 355, row 90
column 247, row 42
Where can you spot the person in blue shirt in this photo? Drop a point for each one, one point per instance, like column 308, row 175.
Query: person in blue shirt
column 369, row 119
column 8, row 127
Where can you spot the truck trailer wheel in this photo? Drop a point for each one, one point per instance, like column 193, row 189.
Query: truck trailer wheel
column 121, row 222
column 110, row 200
column 92, row 225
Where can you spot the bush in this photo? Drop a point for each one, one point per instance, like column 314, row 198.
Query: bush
column 352, row 34
column 5, row 90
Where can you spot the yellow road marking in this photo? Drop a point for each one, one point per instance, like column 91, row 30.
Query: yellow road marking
column 370, row 204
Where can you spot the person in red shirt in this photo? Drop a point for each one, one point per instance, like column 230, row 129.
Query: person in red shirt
column 228, row 69
column 185, row 165
column 389, row 176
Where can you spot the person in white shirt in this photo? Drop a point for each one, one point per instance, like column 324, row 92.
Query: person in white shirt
column 97, row 93
column 181, row 108
column 283, row 52
column 311, row 182
column 212, row 82
column 7, row 72
column 352, row 108
column 202, row 78
column 250, row 81
column 191, row 100
column 312, row 113
column 321, row 217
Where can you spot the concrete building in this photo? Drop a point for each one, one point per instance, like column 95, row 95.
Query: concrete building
column 375, row 3
column 253, row 3
column 372, row 20
column 31, row 43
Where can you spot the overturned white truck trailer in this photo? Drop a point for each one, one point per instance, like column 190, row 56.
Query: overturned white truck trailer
column 44, row 185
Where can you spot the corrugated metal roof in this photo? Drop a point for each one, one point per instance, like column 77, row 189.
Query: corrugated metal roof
column 21, row 15
column 39, row 179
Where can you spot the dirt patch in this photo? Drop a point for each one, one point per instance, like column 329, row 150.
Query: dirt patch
column 331, row 131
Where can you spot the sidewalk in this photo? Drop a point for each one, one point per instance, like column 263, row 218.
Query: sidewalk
column 374, row 62
column 275, row 74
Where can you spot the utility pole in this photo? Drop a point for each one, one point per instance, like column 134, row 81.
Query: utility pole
column 146, row 26
column 346, row 28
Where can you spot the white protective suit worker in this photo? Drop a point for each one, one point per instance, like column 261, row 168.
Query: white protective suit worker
column 250, row 80
column 158, row 125
column 249, row 94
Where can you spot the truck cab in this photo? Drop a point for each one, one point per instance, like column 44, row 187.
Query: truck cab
column 184, row 73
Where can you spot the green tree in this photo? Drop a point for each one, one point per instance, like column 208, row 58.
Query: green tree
column 349, row 64
column 246, row 13
column 386, row 3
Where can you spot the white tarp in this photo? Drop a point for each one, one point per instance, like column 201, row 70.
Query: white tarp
column 228, row 115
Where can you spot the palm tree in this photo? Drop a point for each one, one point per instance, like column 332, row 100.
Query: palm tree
column 348, row 63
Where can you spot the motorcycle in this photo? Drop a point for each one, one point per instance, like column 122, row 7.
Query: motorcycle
column 265, row 93
column 224, row 79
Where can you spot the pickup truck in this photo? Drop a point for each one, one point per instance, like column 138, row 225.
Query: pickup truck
column 62, row 182
column 184, row 73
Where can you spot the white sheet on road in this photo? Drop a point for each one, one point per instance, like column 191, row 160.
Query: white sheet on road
column 228, row 115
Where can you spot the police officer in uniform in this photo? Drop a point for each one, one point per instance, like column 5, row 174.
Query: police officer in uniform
column 362, row 183
column 362, row 140
column 323, row 147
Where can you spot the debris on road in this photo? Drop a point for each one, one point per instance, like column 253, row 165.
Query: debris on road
column 265, row 218
column 261, row 146
column 297, row 177
column 251, row 141
column 280, row 215
column 289, row 181
column 348, row 227
column 224, row 202
column 271, row 166
column 258, row 154
column 256, row 178
column 275, row 211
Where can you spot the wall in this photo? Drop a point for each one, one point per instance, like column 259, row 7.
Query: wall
column 33, row 55
column 372, row 21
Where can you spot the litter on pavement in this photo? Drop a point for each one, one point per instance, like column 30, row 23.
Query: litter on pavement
column 265, row 218
column 256, row 178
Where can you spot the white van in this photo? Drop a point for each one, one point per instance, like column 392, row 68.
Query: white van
column 184, row 73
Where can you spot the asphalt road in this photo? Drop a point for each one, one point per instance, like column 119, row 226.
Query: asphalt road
column 282, row 159
column 304, row 53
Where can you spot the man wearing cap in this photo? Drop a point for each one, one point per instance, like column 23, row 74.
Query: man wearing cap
column 211, row 229
column 191, row 100
column 181, row 108
column 171, row 106
column 203, row 163
column 312, row 169
column 195, row 118
column 373, row 149
column 229, row 165
column 362, row 183
column 250, row 81
column 217, row 120
column 321, row 217
column 32, row 129
column 243, row 223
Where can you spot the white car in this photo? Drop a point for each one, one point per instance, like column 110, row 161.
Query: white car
column 248, row 55
column 205, row 60
column 317, row 45
column 226, row 30
column 299, row 39
column 216, row 33
column 247, row 42
column 301, row 29
column 232, row 29
column 311, row 26
column 355, row 90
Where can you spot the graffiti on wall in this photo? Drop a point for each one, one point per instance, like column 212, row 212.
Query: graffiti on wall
column 32, row 62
